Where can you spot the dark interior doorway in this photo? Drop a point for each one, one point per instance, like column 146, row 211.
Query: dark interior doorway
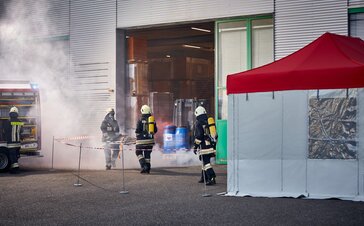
column 171, row 68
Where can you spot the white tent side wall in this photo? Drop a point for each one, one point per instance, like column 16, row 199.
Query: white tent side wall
column 361, row 144
column 268, row 150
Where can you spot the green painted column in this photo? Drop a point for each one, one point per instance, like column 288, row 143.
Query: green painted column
column 221, row 148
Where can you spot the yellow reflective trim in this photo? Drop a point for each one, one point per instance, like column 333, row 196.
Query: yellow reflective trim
column 17, row 123
column 148, row 141
column 14, row 145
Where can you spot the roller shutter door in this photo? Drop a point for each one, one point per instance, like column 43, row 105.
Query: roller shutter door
column 146, row 12
column 297, row 23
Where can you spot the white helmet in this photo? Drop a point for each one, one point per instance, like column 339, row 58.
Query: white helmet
column 200, row 111
column 145, row 109
column 14, row 109
column 109, row 110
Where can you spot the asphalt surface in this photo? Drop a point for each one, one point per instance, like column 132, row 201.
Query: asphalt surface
column 168, row 196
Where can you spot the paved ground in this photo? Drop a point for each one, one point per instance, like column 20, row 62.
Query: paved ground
column 168, row 196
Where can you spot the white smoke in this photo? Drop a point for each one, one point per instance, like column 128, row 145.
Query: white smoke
column 28, row 53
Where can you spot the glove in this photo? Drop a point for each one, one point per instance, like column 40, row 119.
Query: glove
column 213, row 144
column 195, row 147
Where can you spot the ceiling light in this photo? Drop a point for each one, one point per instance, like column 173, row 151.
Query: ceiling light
column 168, row 56
column 200, row 29
column 191, row 46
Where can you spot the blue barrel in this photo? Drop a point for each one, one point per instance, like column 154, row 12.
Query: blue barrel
column 182, row 138
column 169, row 138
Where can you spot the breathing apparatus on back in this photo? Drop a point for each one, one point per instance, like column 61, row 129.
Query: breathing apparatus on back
column 150, row 122
column 211, row 126
column 212, row 129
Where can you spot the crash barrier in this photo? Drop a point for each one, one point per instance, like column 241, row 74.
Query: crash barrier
column 125, row 140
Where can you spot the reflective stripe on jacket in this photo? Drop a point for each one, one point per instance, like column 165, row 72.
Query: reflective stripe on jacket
column 202, row 138
column 141, row 131
column 13, row 129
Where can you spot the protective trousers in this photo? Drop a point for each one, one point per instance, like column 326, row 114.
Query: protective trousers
column 13, row 158
column 207, row 169
column 143, row 153
column 111, row 151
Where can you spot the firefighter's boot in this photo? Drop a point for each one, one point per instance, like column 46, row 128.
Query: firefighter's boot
column 143, row 165
column 202, row 179
column 147, row 168
column 147, row 164
column 211, row 177
column 211, row 181
column 14, row 170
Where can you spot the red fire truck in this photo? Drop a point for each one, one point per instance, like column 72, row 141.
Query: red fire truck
column 25, row 96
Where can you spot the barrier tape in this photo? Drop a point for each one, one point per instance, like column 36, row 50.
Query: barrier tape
column 125, row 140
column 75, row 138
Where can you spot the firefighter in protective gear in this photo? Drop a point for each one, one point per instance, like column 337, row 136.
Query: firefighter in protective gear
column 204, row 145
column 110, row 137
column 145, row 130
column 13, row 130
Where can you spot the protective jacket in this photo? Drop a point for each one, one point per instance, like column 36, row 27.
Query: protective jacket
column 12, row 130
column 203, row 140
column 145, row 137
column 110, row 129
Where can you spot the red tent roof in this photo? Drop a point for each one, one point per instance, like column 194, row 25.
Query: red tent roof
column 330, row 62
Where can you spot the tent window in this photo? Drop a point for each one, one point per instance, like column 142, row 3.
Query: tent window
column 333, row 126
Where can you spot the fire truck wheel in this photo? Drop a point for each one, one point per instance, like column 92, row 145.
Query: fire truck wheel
column 4, row 160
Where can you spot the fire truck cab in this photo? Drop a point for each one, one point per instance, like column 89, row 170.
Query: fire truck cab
column 25, row 96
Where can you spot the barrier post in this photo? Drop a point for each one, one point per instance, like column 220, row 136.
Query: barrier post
column 123, row 191
column 52, row 169
column 205, row 194
column 78, row 184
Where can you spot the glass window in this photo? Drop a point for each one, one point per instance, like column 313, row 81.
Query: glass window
column 262, row 42
column 232, row 51
column 357, row 25
column 242, row 45
column 232, row 57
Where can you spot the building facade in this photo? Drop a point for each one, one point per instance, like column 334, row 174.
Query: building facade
column 247, row 34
